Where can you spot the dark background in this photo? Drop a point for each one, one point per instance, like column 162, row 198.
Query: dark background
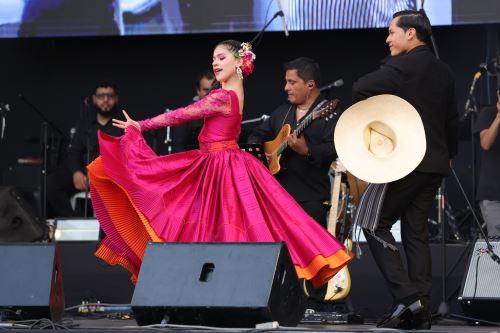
column 156, row 72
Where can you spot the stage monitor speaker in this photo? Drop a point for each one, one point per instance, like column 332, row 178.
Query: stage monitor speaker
column 31, row 281
column 480, row 292
column 218, row 284
column 18, row 221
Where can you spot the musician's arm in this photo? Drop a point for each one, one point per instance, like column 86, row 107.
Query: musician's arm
column 322, row 152
column 383, row 81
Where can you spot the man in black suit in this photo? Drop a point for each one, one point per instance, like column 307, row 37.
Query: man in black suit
column 414, row 74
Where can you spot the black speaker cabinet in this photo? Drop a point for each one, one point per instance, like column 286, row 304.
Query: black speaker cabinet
column 480, row 293
column 218, row 284
column 30, row 281
column 18, row 220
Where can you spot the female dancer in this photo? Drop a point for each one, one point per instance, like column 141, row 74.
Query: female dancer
column 218, row 193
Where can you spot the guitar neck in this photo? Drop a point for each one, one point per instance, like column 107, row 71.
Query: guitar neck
column 306, row 121
column 332, row 218
column 303, row 124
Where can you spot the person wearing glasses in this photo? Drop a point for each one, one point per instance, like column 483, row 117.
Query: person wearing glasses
column 71, row 178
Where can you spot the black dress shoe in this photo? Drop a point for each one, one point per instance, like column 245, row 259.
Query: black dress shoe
column 422, row 320
column 401, row 315
column 419, row 321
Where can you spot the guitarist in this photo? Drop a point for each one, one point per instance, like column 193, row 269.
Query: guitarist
column 305, row 163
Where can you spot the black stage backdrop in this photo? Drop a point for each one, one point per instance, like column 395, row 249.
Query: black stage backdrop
column 156, row 72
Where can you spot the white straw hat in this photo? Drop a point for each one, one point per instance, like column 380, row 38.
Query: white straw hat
column 380, row 139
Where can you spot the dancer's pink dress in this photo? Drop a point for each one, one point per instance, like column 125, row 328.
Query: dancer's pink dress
column 216, row 194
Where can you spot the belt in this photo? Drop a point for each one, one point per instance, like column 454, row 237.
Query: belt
column 209, row 147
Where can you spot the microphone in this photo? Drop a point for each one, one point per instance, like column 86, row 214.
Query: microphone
column 476, row 77
column 72, row 133
column 337, row 84
column 471, row 90
column 4, row 108
column 168, row 139
column 283, row 20
column 84, row 108
column 264, row 117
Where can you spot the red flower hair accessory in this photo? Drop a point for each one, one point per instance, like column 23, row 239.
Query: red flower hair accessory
column 247, row 57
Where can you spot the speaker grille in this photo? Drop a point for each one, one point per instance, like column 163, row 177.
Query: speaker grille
column 18, row 221
column 482, row 278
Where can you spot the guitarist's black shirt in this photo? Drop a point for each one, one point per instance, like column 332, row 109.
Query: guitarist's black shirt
column 305, row 178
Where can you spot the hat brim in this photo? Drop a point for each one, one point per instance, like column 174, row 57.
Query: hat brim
column 398, row 115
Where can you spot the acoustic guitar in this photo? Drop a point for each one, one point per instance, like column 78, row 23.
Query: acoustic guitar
column 274, row 148
column 339, row 285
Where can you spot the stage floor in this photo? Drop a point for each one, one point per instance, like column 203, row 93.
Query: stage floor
column 96, row 325
column 87, row 279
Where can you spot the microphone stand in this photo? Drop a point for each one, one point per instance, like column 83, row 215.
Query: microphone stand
column 42, row 115
column 87, row 184
column 43, row 178
column 255, row 41
column 44, row 146
column 443, row 309
column 86, row 119
column 472, row 109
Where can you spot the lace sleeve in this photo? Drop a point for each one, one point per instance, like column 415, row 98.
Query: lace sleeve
column 216, row 103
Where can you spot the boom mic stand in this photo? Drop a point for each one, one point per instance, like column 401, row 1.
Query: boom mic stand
column 86, row 119
column 443, row 309
column 45, row 146
column 256, row 40
column 87, row 184
column 470, row 108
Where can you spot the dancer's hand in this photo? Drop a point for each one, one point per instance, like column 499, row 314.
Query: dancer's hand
column 128, row 122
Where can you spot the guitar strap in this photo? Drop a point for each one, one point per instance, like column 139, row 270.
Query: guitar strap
column 295, row 124
column 286, row 115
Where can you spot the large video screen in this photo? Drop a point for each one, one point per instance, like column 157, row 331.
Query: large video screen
column 49, row 18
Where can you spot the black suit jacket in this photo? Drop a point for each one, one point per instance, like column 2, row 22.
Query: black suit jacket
column 427, row 84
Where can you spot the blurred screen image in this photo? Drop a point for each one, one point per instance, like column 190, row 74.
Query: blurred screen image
column 53, row 18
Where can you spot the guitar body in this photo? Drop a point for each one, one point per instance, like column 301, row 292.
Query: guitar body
column 274, row 149
column 339, row 285
column 271, row 147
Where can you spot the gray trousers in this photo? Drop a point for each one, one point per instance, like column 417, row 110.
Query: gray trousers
column 491, row 215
